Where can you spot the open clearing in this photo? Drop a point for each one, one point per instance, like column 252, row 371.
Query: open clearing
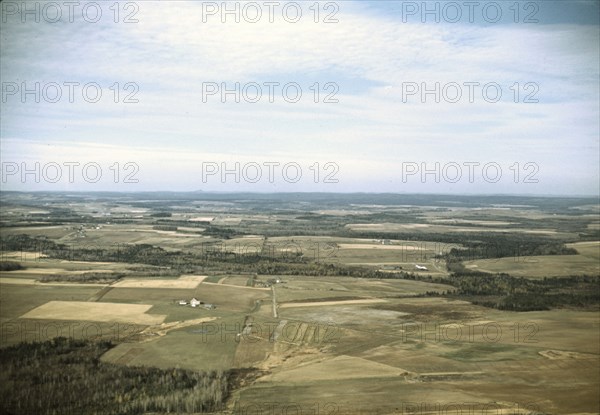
column 90, row 311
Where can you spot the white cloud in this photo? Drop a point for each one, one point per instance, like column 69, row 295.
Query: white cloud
column 170, row 52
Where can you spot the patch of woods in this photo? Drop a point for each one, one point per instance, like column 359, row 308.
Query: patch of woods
column 506, row 292
column 170, row 228
column 501, row 291
column 222, row 232
column 10, row 266
column 87, row 277
column 479, row 245
column 209, row 259
column 161, row 215
column 503, row 248
column 65, row 376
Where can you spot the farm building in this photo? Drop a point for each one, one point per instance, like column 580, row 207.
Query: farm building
column 194, row 302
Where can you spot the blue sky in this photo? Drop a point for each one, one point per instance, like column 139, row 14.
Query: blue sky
column 372, row 55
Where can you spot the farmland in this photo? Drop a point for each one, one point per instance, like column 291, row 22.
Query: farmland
column 318, row 302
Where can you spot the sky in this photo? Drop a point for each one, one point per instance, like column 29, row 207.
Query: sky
column 340, row 96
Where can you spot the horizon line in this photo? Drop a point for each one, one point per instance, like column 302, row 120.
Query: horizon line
column 224, row 192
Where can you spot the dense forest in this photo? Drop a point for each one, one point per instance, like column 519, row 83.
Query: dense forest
column 505, row 292
column 10, row 266
column 51, row 377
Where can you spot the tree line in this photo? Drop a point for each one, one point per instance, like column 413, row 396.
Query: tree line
column 501, row 291
column 65, row 376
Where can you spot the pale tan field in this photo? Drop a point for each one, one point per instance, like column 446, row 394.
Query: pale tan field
column 91, row 311
column 239, row 280
column 17, row 281
column 226, row 221
column 243, row 287
column 399, row 247
column 589, row 249
column 30, row 281
column 539, row 266
column 337, row 368
column 177, row 234
column 18, row 255
column 546, row 364
column 52, row 271
column 183, row 282
column 35, row 268
column 472, row 222
column 150, row 333
column 202, row 219
column 329, row 303
column 400, row 227
column 310, row 289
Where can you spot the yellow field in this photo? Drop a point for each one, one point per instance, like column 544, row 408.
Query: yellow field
column 183, row 282
column 107, row 312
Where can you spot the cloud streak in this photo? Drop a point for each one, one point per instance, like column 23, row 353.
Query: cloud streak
column 369, row 55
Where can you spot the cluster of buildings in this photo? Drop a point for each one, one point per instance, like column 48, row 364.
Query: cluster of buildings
column 197, row 303
column 269, row 282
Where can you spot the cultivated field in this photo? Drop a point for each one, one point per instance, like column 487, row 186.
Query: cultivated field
column 90, row 311
column 586, row 262
column 183, row 282
column 312, row 300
